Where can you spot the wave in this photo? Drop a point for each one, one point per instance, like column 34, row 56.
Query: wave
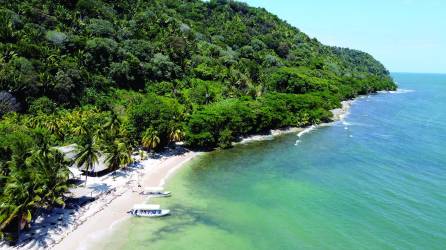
column 346, row 123
column 305, row 131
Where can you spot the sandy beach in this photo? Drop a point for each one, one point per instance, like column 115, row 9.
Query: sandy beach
column 97, row 225
column 115, row 194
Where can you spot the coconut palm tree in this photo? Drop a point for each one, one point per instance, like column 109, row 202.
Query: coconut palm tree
column 150, row 138
column 20, row 196
column 176, row 135
column 113, row 123
column 87, row 153
column 41, row 181
column 51, row 171
column 117, row 154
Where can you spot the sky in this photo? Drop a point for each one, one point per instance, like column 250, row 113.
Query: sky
column 405, row 35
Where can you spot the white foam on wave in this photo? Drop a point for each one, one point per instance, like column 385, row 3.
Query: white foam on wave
column 305, row 131
column 346, row 123
column 343, row 116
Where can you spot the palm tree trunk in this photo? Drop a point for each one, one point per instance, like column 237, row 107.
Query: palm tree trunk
column 9, row 219
column 86, row 171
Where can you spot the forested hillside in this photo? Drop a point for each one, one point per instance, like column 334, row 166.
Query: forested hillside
column 201, row 58
column 113, row 75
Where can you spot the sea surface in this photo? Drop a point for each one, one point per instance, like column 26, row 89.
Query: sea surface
column 376, row 180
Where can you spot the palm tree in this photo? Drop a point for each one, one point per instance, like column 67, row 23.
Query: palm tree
column 117, row 154
column 87, row 153
column 20, row 195
column 53, row 170
column 150, row 138
column 41, row 181
column 176, row 135
column 113, row 123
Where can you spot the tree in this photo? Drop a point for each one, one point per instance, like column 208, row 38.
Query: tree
column 150, row 139
column 42, row 105
column 176, row 135
column 87, row 153
column 162, row 68
column 113, row 123
column 117, row 154
column 54, row 172
column 39, row 180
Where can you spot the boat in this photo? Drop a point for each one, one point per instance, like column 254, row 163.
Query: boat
column 148, row 210
column 156, row 192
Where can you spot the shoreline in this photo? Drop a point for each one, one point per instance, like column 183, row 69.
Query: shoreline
column 339, row 114
column 98, row 225
column 96, row 219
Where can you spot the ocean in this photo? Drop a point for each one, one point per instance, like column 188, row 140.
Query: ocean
column 376, row 180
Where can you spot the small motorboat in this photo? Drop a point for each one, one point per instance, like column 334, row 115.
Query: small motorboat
column 148, row 210
column 156, row 192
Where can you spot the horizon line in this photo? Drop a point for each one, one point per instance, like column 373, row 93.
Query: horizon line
column 407, row 72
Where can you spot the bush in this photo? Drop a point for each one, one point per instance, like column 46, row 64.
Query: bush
column 42, row 105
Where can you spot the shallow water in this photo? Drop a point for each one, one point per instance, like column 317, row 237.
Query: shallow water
column 374, row 181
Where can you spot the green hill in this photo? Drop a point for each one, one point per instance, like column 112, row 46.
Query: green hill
column 65, row 54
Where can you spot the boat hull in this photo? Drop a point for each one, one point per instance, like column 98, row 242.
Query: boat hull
column 163, row 213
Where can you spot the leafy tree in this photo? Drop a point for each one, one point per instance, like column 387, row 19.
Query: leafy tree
column 150, row 139
column 162, row 68
column 87, row 153
column 117, row 154
column 42, row 105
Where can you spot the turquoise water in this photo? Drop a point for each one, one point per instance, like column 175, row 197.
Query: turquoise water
column 375, row 181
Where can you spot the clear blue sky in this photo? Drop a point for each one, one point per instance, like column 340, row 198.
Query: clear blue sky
column 405, row 35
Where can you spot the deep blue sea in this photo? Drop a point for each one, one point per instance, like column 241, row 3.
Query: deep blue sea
column 376, row 180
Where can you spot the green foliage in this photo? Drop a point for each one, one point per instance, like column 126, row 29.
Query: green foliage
column 64, row 49
column 42, row 105
column 152, row 111
column 150, row 138
column 34, row 175
column 56, row 37
column 100, row 27
column 223, row 122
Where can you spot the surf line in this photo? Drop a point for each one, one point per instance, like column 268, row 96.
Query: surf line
column 303, row 132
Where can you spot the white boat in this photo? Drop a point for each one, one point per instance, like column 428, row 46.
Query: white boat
column 148, row 210
column 156, row 192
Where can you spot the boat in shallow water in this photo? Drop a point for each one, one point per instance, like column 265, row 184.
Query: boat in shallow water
column 156, row 192
column 148, row 210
